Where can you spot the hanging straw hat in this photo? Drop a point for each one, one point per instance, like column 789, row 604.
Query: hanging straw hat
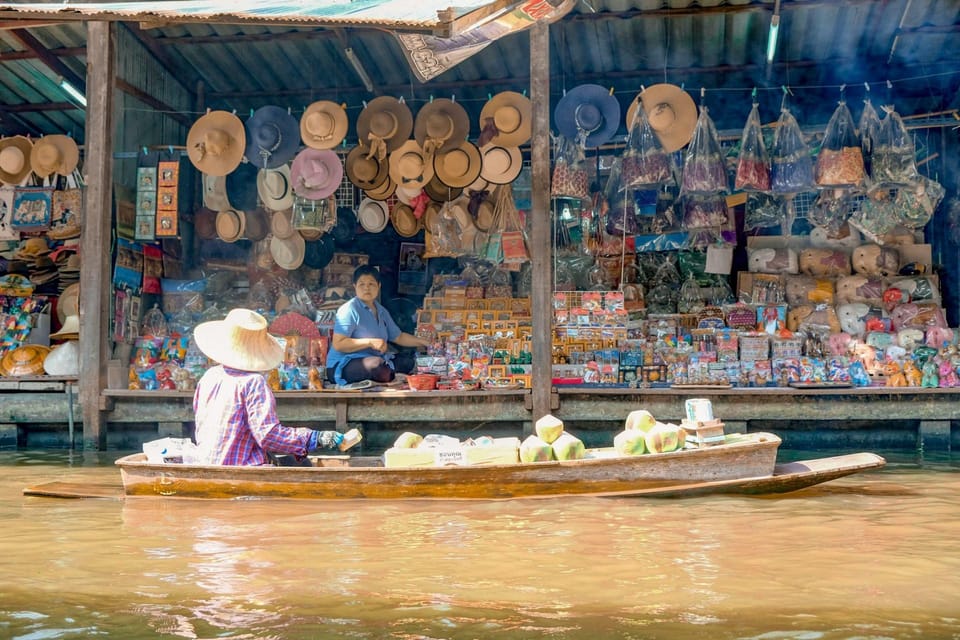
column 373, row 215
column 407, row 194
column 273, row 187
column 323, row 125
column 409, row 165
column 590, row 110
column 404, row 222
column 365, row 170
column 257, row 224
column 441, row 125
column 431, row 219
column 215, row 192
column 382, row 192
column 241, row 186
column 216, row 142
column 288, row 253
column 316, row 173
column 439, row 192
column 231, row 224
column 511, row 115
column 501, row 165
column 281, row 224
column 54, row 154
column 69, row 302
column 671, row 112
column 319, row 253
column 384, row 124
column 205, row 223
column 239, row 341
column 273, row 137
column 460, row 166
column 69, row 330
column 15, row 159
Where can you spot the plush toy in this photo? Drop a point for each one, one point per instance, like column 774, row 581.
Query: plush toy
column 896, row 352
column 923, row 354
column 860, row 288
column 780, row 260
column 929, row 379
column 895, row 377
column 807, row 289
column 847, row 238
column 839, row 343
column 917, row 289
column 917, row 315
column 865, row 354
column 858, row 374
column 825, row 262
column 875, row 324
column 909, row 339
column 874, row 260
column 912, row 374
column 894, row 296
column 853, row 318
column 937, row 337
column 948, row 375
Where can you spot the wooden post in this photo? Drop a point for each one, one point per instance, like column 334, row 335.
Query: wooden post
column 95, row 243
column 541, row 244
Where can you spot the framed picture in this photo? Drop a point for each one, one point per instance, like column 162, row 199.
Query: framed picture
column 166, row 224
column 32, row 208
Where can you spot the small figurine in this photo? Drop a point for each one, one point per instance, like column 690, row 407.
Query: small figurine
column 930, row 379
column 912, row 373
column 895, row 377
column 948, row 375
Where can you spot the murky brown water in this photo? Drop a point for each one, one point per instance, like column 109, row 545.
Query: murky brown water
column 871, row 556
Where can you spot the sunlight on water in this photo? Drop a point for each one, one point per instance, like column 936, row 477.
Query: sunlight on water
column 871, row 556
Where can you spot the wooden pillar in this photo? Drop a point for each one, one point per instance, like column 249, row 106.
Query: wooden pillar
column 541, row 245
column 95, row 243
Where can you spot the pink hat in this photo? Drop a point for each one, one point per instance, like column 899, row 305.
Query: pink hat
column 316, row 173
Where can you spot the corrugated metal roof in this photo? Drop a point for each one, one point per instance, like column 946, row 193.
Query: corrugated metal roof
column 624, row 44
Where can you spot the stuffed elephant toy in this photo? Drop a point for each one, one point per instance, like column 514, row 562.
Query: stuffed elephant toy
column 825, row 262
column 874, row 260
column 807, row 290
column 859, row 288
column 799, row 318
column 910, row 338
column 917, row 316
column 780, row 260
column 821, row 238
column 937, row 337
column 853, row 318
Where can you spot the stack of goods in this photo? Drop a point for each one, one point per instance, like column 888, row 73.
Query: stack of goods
column 642, row 433
column 434, row 450
column 551, row 442
column 699, row 425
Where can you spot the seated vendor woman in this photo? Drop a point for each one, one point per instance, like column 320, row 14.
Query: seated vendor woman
column 235, row 409
column 363, row 327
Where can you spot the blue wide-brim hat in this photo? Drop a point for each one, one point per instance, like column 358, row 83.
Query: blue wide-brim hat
column 273, row 137
column 241, row 187
column 589, row 108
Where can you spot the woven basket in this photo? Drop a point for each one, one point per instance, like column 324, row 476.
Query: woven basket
column 423, row 381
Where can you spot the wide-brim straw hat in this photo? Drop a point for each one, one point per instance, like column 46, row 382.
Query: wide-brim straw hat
column 441, row 125
column 257, row 224
column 373, row 215
column 273, row 137
column 69, row 302
column 501, row 165
column 216, row 143
column 63, row 360
column 31, row 248
column 241, row 186
column 512, row 115
column 239, row 341
column 15, row 159
column 440, row 192
column 288, row 253
column 671, row 112
column 231, row 224
column 274, row 188
column 385, row 119
column 25, row 360
column 205, row 223
column 410, row 166
column 215, row 192
column 591, row 109
column 69, row 329
column 364, row 169
column 484, row 215
column 405, row 223
column 316, row 173
column 55, row 153
column 324, row 125
column 460, row 166
column 281, row 224
column 384, row 191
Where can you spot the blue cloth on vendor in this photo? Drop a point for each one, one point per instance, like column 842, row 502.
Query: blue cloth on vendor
column 356, row 320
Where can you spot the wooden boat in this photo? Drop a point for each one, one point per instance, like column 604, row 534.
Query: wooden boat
column 744, row 463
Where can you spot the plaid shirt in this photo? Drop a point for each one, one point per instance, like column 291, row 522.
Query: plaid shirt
column 236, row 418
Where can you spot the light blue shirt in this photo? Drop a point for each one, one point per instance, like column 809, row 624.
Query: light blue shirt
column 356, row 320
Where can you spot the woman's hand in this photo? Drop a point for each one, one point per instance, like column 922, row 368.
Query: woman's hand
column 377, row 344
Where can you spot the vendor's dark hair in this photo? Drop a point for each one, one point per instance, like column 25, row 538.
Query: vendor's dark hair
column 366, row 270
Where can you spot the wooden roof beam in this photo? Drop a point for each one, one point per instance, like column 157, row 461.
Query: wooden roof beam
column 62, row 52
column 54, row 63
column 151, row 101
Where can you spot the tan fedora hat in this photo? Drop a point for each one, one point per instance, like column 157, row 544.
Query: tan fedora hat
column 231, row 224
column 15, row 159
column 324, row 124
column 239, row 341
column 511, row 115
column 215, row 192
column 501, row 165
column 373, row 215
column 364, row 169
column 460, row 166
column 274, row 189
column 404, row 222
column 439, row 192
column 671, row 112
column 288, row 253
column 216, row 142
column 281, row 224
column 441, row 125
column 69, row 302
column 384, row 124
column 410, row 166
column 382, row 192
column 54, row 154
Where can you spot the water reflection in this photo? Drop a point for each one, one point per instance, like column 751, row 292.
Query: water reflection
column 867, row 556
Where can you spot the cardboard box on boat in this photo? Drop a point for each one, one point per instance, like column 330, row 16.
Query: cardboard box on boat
column 500, row 451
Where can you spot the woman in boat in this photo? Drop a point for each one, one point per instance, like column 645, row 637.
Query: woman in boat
column 234, row 407
column 361, row 333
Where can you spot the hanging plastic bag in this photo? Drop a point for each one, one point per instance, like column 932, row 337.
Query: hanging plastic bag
column 645, row 163
column 703, row 168
column 763, row 210
column 569, row 171
column 894, row 157
column 704, row 212
column 869, row 128
column 840, row 161
column 917, row 202
column 791, row 168
column 621, row 216
column 830, row 210
column 753, row 165
column 876, row 216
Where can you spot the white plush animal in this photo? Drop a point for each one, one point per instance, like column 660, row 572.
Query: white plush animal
column 853, row 317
